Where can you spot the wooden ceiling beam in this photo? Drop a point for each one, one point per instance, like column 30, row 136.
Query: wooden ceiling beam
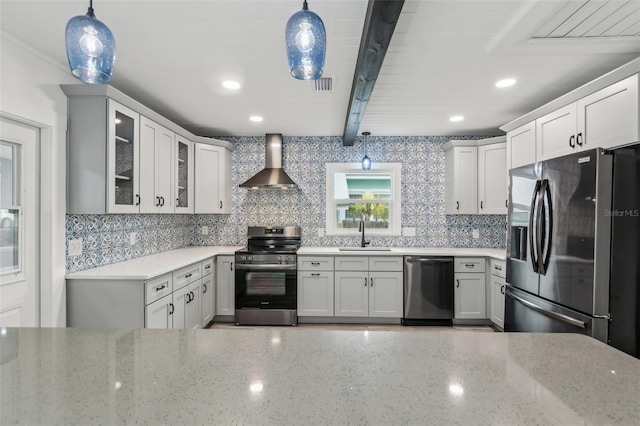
column 380, row 22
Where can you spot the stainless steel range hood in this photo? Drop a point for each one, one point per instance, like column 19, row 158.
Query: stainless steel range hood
column 272, row 176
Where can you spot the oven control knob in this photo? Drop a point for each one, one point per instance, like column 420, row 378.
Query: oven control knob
column 279, row 258
column 250, row 258
column 243, row 257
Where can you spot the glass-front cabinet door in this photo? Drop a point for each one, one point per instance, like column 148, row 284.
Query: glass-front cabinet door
column 184, row 175
column 123, row 173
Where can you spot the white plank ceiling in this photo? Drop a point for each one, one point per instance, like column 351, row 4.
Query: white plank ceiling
column 444, row 60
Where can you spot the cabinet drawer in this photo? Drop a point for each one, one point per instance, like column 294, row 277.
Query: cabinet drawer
column 187, row 275
column 498, row 268
column 308, row 263
column 469, row 264
column 352, row 263
column 386, row 263
column 207, row 267
column 157, row 288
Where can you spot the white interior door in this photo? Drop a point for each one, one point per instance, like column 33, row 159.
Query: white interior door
column 19, row 224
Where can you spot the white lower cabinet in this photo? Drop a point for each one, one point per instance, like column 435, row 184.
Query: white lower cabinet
column 225, row 286
column 315, row 293
column 208, row 306
column 498, row 283
column 368, row 291
column 470, row 286
column 173, row 300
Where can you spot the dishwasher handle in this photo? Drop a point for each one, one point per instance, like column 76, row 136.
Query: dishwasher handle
column 428, row 259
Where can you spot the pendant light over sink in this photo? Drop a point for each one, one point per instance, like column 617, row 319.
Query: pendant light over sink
column 366, row 161
column 91, row 48
column 306, row 44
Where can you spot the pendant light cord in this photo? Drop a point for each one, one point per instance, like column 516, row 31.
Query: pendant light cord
column 90, row 11
column 305, row 6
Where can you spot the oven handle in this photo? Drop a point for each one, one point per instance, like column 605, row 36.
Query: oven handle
column 274, row 267
column 556, row 315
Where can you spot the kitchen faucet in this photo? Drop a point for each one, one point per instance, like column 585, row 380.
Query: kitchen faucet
column 363, row 243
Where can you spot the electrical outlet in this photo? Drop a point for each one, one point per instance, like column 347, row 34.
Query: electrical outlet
column 320, row 232
column 132, row 238
column 409, row 232
column 476, row 234
column 75, row 247
column 205, row 230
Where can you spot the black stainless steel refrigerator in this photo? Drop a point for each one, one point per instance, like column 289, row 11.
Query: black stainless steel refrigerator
column 567, row 243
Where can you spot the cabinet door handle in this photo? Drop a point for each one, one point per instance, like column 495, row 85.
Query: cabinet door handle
column 365, row 282
column 161, row 287
column 188, row 297
column 458, row 283
column 204, row 288
column 177, row 202
column 157, row 201
column 193, row 296
column 161, row 201
column 502, row 289
column 457, row 205
column 171, row 308
column 506, row 203
column 481, row 205
column 315, row 274
column 579, row 139
column 232, row 266
column 371, row 283
column 137, row 199
column 220, row 204
column 571, row 143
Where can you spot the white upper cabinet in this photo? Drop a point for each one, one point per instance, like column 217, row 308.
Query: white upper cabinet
column 183, row 175
column 461, row 174
column 123, row 144
column 521, row 146
column 156, row 167
column 492, row 179
column 476, row 178
column 212, row 179
column 609, row 117
column 556, row 133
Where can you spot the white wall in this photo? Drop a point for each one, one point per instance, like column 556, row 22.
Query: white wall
column 30, row 92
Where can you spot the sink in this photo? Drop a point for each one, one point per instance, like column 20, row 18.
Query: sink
column 364, row 249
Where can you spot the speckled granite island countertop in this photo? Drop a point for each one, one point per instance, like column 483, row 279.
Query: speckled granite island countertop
column 309, row 376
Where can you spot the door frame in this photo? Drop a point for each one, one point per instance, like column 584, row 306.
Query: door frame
column 47, row 230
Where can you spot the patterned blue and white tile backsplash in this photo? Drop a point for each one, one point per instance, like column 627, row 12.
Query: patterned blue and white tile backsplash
column 106, row 237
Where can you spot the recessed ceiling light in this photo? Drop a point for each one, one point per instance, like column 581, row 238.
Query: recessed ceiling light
column 507, row 82
column 231, row 85
column 456, row 118
column 256, row 118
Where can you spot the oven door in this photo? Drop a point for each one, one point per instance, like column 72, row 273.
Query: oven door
column 266, row 286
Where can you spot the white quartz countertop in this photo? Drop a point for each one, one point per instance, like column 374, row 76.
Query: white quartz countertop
column 404, row 251
column 147, row 267
column 282, row 376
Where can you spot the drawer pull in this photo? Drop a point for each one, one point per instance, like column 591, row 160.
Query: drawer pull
column 315, row 263
column 315, row 274
column 207, row 267
column 161, row 287
column 498, row 268
column 188, row 275
column 469, row 265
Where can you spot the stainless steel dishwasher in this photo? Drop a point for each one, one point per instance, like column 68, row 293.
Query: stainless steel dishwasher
column 428, row 290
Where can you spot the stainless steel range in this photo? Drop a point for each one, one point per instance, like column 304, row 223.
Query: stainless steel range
column 266, row 276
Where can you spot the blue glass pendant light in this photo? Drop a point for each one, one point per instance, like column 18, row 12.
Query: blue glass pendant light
column 306, row 41
column 366, row 161
column 91, row 49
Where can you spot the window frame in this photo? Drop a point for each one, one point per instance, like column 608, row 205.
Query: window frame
column 395, row 208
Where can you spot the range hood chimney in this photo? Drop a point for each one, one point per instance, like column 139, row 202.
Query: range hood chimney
column 272, row 176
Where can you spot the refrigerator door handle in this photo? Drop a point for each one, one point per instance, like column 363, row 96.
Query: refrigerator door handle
column 561, row 317
column 547, row 230
column 532, row 243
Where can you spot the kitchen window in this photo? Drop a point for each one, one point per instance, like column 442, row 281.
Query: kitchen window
column 354, row 195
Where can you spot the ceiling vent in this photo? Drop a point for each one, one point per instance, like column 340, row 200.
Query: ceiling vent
column 324, row 84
